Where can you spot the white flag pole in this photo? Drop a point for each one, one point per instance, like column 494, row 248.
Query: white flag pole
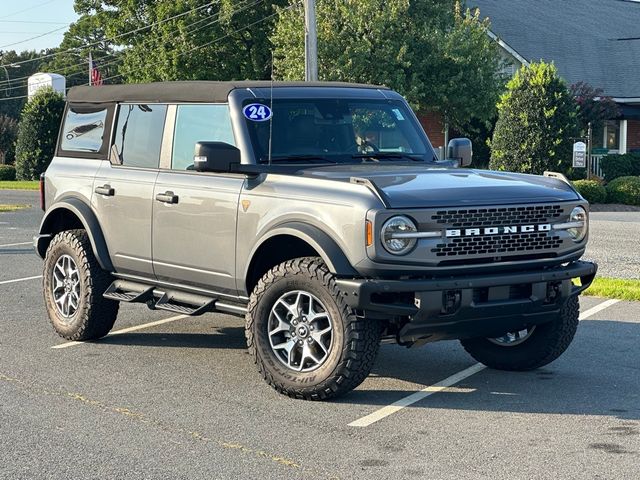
column 90, row 68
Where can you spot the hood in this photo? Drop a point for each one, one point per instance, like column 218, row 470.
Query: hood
column 409, row 186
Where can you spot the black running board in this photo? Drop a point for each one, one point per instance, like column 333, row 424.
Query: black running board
column 175, row 301
column 185, row 303
column 130, row 292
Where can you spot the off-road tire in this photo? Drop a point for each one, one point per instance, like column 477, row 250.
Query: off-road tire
column 355, row 344
column 547, row 342
column 95, row 315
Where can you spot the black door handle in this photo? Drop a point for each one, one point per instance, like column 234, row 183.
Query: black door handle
column 105, row 190
column 167, row 197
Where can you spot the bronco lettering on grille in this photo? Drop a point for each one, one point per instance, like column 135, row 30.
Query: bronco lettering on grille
column 474, row 232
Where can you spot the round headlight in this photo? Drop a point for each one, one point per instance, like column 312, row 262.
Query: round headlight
column 396, row 235
column 578, row 215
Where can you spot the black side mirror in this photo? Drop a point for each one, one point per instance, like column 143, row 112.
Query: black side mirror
column 461, row 149
column 215, row 157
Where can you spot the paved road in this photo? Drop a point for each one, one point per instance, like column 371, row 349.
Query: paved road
column 614, row 243
column 183, row 400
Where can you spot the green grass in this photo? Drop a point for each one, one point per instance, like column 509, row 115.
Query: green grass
column 622, row 289
column 11, row 208
column 20, row 185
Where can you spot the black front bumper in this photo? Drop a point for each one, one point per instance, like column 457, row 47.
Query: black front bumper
column 465, row 307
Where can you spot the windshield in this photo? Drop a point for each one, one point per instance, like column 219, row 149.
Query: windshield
column 334, row 131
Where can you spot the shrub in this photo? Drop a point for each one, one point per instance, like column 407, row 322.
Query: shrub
column 7, row 172
column 38, row 133
column 624, row 190
column 591, row 190
column 536, row 123
column 614, row 166
column 576, row 173
column 8, row 134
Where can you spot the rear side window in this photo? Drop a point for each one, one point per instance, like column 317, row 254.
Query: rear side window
column 83, row 130
column 138, row 135
column 198, row 123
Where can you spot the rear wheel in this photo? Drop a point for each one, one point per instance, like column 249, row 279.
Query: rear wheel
column 528, row 348
column 306, row 342
column 73, row 286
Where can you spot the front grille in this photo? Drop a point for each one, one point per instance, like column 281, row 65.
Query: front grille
column 497, row 244
column 489, row 217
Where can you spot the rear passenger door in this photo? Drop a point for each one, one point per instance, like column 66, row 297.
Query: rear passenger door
column 123, row 187
column 194, row 219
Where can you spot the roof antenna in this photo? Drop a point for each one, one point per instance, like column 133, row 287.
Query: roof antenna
column 271, row 108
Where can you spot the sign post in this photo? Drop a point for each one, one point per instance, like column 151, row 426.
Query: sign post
column 579, row 155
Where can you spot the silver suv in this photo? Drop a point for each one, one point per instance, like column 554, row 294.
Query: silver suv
column 319, row 212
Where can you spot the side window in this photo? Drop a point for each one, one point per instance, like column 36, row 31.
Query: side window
column 83, row 130
column 197, row 123
column 138, row 135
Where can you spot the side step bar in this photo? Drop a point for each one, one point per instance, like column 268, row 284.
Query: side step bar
column 170, row 300
column 124, row 291
column 185, row 303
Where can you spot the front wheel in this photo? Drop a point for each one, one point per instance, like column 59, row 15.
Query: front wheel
column 531, row 347
column 306, row 342
column 73, row 286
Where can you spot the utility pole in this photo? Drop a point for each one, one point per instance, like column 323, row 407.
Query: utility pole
column 310, row 41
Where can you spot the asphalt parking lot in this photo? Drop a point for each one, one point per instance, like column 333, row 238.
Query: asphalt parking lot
column 181, row 399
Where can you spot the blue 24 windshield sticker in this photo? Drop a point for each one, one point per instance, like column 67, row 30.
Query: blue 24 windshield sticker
column 256, row 112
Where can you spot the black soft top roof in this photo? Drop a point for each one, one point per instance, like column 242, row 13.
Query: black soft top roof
column 188, row 91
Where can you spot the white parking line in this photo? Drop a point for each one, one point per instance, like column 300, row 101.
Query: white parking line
column 416, row 397
column 16, row 244
column 447, row 382
column 598, row 308
column 4, row 282
column 126, row 330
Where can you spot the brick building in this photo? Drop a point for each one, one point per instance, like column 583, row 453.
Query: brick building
column 593, row 41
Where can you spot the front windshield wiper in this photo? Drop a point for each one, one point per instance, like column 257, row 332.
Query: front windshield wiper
column 296, row 158
column 388, row 156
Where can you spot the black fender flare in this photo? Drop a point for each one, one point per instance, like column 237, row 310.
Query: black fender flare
column 327, row 247
column 90, row 222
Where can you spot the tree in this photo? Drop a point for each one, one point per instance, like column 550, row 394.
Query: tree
column 8, row 134
column 433, row 52
column 536, row 123
column 85, row 36
column 593, row 106
column 223, row 40
column 38, row 133
column 16, row 83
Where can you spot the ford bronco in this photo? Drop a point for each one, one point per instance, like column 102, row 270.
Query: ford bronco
column 318, row 211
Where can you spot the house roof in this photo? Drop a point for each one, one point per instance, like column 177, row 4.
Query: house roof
column 187, row 91
column 595, row 41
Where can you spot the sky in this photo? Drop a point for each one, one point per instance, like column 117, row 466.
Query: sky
column 21, row 20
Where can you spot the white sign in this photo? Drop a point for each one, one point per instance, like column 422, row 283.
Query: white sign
column 579, row 155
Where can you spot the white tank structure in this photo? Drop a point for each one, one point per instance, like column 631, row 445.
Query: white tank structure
column 43, row 80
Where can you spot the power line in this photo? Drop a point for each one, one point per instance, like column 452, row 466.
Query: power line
column 139, row 29
column 219, row 38
column 196, row 47
column 217, row 18
column 34, row 21
column 28, row 8
column 33, row 38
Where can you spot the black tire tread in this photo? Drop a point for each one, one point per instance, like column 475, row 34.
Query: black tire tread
column 553, row 339
column 362, row 336
column 99, row 314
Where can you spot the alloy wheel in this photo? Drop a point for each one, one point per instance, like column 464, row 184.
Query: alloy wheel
column 65, row 286
column 300, row 331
